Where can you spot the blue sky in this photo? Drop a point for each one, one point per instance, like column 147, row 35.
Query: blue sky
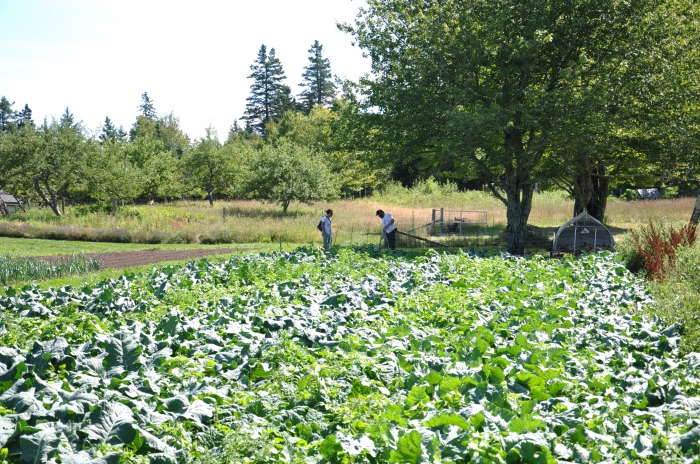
column 193, row 57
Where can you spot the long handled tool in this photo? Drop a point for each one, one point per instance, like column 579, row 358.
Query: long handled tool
column 383, row 240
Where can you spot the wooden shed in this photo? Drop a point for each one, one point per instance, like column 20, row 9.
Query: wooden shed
column 8, row 204
column 582, row 233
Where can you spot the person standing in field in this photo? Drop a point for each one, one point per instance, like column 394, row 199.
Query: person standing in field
column 326, row 229
column 388, row 228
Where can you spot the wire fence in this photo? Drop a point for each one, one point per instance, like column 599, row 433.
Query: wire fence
column 450, row 228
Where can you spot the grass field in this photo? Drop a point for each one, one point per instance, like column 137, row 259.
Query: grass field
column 354, row 221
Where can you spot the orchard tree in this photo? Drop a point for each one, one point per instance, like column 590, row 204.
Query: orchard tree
column 285, row 172
column 54, row 158
column 174, row 139
column 325, row 132
column 208, row 167
column 269, row 98
column 163, row 177
column 318, row 85
column 110, row 174
column 484, row 84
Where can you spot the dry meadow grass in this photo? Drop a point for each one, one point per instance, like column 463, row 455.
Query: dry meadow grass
column 354, row 221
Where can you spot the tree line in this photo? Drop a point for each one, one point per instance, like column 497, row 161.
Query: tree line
column 288, row 149
column 508, row 95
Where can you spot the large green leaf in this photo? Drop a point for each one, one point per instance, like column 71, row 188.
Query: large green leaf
column 40, row 446
column 409, row 449
column 110, row 423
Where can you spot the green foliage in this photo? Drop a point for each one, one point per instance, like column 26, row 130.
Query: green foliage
column 289, row 172
column 20, row 269
column 315, row 356
column 269, row 98
column 110, row 174
column 324, row 131
column 210, row 167
column 486, row 90
column 678, row 296
column 319, row 88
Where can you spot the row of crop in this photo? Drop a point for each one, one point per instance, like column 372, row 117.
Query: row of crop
column 18, row 269
column 312, row 356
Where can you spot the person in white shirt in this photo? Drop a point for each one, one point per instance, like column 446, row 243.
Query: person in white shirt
column 326, row 229
column 388, row 228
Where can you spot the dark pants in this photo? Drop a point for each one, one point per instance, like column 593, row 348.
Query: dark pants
column 391, row 237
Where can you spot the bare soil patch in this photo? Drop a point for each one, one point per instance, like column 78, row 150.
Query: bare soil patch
column 122, row 259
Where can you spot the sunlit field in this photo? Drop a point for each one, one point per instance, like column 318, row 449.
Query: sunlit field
column 354, row 221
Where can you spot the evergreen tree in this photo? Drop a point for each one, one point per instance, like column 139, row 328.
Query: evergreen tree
column 109, row 132
column 146, row 107
column 7, row 116
column 269, row 98
column 67, row 120
column 319, row 88
column 24, row 117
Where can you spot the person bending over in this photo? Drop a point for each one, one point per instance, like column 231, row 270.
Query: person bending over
column 388, row 228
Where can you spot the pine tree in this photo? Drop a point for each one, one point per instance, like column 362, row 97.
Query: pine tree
column 319, row 88
column 109, row 132
column 269, row 98
column 7, row 116
column 147, row 108
column 67, row 120
column 24, row 117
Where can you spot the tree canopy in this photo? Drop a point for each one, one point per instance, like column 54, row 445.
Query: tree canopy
column 484, row 86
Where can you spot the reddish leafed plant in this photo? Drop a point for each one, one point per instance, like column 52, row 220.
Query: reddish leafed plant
column 657, row 249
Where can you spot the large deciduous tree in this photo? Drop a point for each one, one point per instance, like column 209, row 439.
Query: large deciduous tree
column 486, row 83
column 318, row 85
column 636, row 121
column 269, row 98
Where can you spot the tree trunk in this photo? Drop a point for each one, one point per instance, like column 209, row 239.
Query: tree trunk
column 517, row 212
column 599, row 199
column 51, row 204
column 211, row 197
column 285, row 205
column 583, row 185
column 114, row 205
column 695, row 218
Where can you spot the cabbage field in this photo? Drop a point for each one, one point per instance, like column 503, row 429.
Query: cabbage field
column 343, row 357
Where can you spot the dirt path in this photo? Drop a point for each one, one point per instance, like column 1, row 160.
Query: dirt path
column 122, row 259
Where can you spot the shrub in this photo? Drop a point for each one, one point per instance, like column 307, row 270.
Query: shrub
column 630, row 194
column 84, row 210
column 657, row 248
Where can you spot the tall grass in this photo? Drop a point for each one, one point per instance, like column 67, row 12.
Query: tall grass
column 26, row 269
column 677, row 296
column 354, row 221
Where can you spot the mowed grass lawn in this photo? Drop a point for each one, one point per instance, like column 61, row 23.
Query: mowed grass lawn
column 20, row 247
